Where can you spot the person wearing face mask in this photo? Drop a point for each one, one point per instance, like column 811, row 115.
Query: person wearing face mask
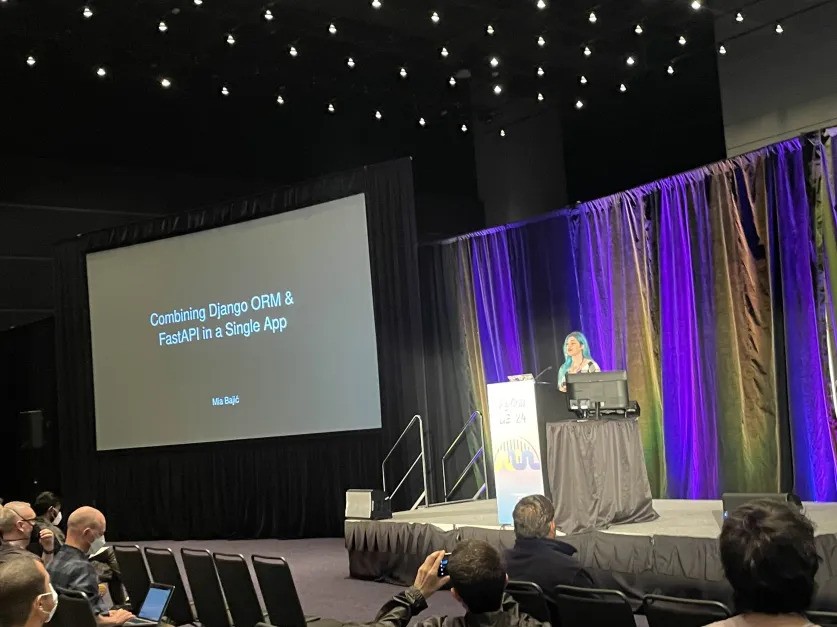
column 47, row 508
column 71, row 568
column 27, row 598
column 19, row 530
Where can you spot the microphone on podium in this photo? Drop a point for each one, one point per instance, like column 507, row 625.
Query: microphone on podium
column 542, row 372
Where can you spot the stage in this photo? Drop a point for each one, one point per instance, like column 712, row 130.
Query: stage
column 676, row 554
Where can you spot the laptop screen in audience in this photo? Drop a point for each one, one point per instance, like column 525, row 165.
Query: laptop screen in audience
column 155, row 602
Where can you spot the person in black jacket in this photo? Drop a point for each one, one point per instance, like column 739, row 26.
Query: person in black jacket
column 537, row 556
column 478, row 582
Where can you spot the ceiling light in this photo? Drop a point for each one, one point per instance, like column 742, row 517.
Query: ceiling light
column 587, row 51
column 464, row 128
column 293, row 51
column 350, row 62
column 376, row 4
column 101, row 72
column 540, row 71
column 670, row 70
column 87, row 12
column 696, row 5
column 434, row 17
column 638, row 30
column 494, row 62
column 722, row 49
column 502, row 133
column 231, row 39
column 162, row 26
column 268, row 15
column 739, row 17
column 540, row 97
column 280, row 100
column 332, row 29
column 225, row 91
column 30, row 61
column 779, row 29
column 583, row 80
column 198, row 2
column 498, row 89
column 422, row 122
column 444, row 52
column 452, row 82
column 579, row 104
column 489, row 29
column 403, row 72
column 165, row 83
column 630, row 61
column 541, row 42
column 541, row 4
column 378, row 115
column 623, row 88
column 593, row 19
column 682, row 40
column 330, row 108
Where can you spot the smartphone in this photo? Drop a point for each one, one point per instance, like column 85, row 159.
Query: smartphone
column 443, row 566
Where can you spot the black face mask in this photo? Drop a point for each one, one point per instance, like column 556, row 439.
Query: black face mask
column 35, row 536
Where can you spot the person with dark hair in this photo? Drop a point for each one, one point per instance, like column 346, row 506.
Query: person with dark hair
column 27, row 598
column 537, row 556
column 770, row 559
column 478, row 582
column 47, row 507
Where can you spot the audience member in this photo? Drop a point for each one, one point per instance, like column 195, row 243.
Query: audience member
column 478, row 582
column 47, row 508
column 537, row 556
column 770, row 559
column 71, row 569
column 19, row 529
column 27, row 598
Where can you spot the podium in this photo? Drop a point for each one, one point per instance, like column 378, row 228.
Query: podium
column 519, row 412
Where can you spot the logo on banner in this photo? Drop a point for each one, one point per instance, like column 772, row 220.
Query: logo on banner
column 516, row 454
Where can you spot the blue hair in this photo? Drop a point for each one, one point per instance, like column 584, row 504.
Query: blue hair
column 568, row 361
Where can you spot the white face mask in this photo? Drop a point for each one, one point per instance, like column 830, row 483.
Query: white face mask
column 57, row 520
column 97, row 545
column 54, row 596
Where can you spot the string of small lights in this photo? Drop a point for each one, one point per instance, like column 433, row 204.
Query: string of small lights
column 595, row 16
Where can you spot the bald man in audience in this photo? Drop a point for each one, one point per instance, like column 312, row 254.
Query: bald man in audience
column 18, row 528
column 72, row 570
column 26, row 597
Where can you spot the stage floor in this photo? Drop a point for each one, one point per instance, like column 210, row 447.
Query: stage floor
column 693, row 519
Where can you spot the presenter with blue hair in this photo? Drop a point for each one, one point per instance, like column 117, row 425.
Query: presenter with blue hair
column 576, row 358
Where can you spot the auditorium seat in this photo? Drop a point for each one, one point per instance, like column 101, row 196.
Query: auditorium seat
column 531, row 599
column 163, row 568
column 664, row 611
column 135, row 575
column 238, row 589
column 206, row 590
column 279, row 592
column 582, row 607
column 73, row 610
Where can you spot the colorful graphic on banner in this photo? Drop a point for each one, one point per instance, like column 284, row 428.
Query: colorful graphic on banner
column 514, row 435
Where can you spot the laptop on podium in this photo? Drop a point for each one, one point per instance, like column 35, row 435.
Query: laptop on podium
column 154, row 606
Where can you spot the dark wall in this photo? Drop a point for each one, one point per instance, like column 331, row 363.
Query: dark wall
column 27, row 382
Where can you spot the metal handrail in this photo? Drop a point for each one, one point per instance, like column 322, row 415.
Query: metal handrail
column 476, row 417
column 421, row 457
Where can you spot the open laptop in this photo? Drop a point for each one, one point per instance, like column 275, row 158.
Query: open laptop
column 154, row 607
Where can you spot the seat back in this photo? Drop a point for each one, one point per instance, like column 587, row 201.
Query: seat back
column 73, row 610
column 206, row 589
column 238, row 589
column 278, row 591
column 582, row 607
column 135, row 575
column 663, row 611
column 824, row 619
column 531, row 599
column 163, row 568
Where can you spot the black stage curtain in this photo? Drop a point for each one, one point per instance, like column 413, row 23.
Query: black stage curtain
column 274, row 487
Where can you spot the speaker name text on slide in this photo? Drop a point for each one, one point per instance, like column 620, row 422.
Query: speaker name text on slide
column 218, row 312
